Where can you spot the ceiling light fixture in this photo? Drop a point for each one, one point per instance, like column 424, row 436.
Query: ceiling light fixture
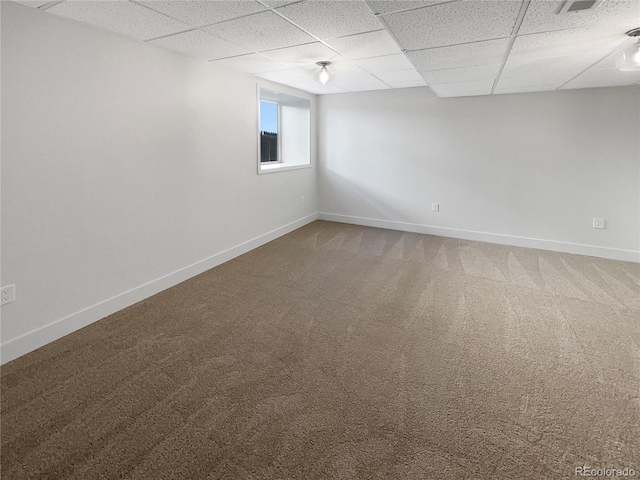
column 324, row 75
column 629, row 59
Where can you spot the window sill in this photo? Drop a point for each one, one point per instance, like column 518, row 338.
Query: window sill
column 280, row 167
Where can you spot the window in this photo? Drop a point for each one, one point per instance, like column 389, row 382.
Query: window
column 269, row 132
column 284, row 131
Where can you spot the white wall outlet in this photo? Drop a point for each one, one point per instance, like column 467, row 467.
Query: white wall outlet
column 435, row 207
column 598, row 222
column 302, row 200
column 8, row 294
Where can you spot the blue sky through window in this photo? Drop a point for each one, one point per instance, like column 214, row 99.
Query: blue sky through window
column 269, row 117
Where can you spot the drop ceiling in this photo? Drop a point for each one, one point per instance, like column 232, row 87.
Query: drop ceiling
column 455, row 47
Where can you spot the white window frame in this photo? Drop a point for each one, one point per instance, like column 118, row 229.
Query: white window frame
column 285, row 162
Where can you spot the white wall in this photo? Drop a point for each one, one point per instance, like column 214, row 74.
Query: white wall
column 125, row 169
column 526, row 169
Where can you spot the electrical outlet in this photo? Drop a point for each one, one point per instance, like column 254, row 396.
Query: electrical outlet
column 598, row 222
column 8, row 294
column 435, row 207
column 302, row 200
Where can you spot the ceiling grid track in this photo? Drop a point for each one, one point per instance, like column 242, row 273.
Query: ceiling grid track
column 516, row 28
column 395, row 39
column 590, row 66
column 201, row 27
column 47, row 6
column 310, row 34
column 382, row 14
column 172, row 34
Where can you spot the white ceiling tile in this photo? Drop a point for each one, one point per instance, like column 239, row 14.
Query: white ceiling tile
column 389, row 6
column 32, row 3
column 454, row 23
column 541, row 16
column 329, row 19
column 611, row 77
column 540, row 88
column 262, row 31
column 350, row 81
column 277, row 3
column 343, row 67
column 387, row 63
column 567, row 66
column 318, row 88
column 253, row 63
column 480, row 53
column 536, row 79
column 121, row 17
column 574, row 41
column 464, row 74
column 399, row 76
column 304, row 55
column 463, row 89
column 555, row 81
column 198, row 13
column 288, row 77
column 200, row 44
column 368, row 88
column 364, row 45
column 415, row 83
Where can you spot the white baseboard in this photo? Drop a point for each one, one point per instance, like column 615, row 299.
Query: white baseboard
column 30, row 341
column 555, row 246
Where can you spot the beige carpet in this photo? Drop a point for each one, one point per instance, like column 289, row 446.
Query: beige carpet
column 340, row 351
